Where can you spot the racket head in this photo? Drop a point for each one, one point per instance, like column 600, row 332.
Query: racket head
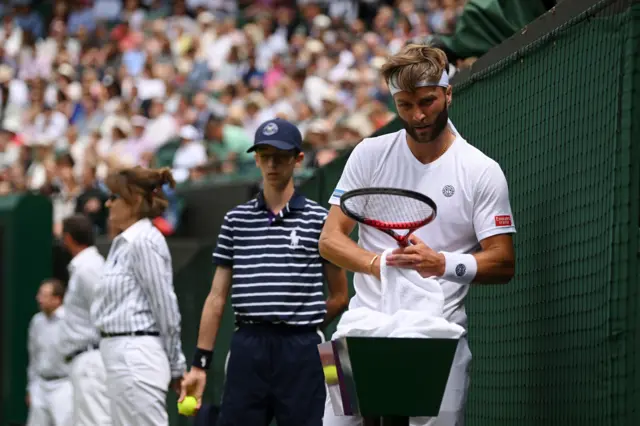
column 389, row 208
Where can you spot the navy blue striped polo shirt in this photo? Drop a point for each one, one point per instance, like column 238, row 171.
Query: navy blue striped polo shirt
column 277, row 268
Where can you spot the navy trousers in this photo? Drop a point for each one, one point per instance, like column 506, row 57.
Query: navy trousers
column 274, row 371
column 207, row 415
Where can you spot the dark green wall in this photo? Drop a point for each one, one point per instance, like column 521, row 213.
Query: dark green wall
column 25, row 231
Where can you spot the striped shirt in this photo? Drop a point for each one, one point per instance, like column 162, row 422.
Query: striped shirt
column 136, row 292
column 45, row 359
column 277, row 268
column 77, row 330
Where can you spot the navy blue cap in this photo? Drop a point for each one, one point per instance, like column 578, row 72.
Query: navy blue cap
column 278, row 133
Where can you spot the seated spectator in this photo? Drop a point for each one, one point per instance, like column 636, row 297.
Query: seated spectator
column 189, row 155
column 184, row 84
column 229, row 144
column 65, row 190
column 134, row 150
column 91, row 200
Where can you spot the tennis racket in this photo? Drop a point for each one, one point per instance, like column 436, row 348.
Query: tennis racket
column 389, row 210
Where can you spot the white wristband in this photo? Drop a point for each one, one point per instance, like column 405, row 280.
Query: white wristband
column 459, row 267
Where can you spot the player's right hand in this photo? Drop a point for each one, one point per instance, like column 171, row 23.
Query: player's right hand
column 193, row 384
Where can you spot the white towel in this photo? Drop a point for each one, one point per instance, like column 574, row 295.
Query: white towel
column 410, row 306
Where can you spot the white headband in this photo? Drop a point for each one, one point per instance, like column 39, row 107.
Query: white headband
column 444, row 82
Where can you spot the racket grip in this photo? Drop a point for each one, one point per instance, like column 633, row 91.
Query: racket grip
column 405, row 242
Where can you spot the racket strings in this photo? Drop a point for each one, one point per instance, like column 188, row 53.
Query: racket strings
column 390, row 209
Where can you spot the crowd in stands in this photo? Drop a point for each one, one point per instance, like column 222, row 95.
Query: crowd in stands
column 89, row 86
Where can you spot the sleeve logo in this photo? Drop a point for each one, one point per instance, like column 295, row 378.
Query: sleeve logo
column 503, row 220
column 337, row 193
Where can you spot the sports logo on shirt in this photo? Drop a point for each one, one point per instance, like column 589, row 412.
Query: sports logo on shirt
column 294, row 239
column 448, row 191
column 503, row 220
column 270, row 129
column 337, row 193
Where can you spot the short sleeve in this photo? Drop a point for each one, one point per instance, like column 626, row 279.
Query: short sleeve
column 223, row 253
column 492, row 210
column 356, row 173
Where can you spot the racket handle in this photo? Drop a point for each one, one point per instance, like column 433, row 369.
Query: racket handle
column 405, row 243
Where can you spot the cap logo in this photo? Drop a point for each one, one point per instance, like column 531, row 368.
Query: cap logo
column 270, row 129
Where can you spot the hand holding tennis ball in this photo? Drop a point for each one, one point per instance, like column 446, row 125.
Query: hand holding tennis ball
column 191, row 390
column 187, row 407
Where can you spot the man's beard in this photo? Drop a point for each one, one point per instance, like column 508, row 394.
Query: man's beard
column 436, row 129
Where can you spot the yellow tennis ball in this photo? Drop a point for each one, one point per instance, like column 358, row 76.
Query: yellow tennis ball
column 188, row 406
column 330, row 374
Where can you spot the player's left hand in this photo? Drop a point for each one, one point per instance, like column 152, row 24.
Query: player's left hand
column 419, row 257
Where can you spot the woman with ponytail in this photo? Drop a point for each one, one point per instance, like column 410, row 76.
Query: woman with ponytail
column 135, row 307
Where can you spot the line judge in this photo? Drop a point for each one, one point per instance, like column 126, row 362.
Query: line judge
column 135, row 308
column 79, row 337
column 49, row 391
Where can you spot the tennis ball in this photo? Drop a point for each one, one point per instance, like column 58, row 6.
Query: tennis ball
column 330, row 374
column 188, row 406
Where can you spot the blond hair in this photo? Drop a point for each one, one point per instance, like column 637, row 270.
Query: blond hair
column 142, row 187
column 413, row 64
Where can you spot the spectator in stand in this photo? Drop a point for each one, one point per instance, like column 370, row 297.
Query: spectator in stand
column 113, row 82
column 189, row 155
column 91, row 200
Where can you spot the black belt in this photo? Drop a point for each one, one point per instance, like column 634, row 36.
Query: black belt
column 91, row 347
column 129, row 334
column 52, row 378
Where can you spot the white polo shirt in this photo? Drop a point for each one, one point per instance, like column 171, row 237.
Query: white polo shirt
column 469, row 189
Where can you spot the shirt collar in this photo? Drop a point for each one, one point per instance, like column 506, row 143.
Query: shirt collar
column 296, row 202
column 58, row 313
column 82, row 257
column 132, row 232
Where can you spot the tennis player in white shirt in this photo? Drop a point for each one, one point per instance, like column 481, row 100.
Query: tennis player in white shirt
column 469, row 242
